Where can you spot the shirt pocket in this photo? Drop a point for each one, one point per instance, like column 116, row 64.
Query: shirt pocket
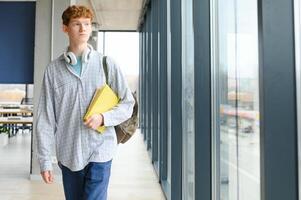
column 65, row 91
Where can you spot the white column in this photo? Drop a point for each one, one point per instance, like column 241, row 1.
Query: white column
column 50, row 42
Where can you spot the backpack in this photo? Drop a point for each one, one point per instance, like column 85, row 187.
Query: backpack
column 126, row 129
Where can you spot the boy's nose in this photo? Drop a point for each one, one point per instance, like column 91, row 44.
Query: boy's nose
column 82, row 27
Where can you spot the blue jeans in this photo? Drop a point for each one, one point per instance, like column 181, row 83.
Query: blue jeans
column 90, row 183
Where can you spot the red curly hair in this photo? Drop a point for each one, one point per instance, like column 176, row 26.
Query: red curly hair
column 76, row 11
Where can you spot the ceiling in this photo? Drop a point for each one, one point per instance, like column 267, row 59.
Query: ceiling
column 120, row 15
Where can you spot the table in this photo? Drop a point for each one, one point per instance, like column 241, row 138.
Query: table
column 14, row 120
column 15, row 111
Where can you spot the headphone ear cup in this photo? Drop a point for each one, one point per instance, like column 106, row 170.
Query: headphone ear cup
column 86, row 54
column 70, row 58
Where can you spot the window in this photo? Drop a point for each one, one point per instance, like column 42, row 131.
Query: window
column 236, row 100
column 123, row 47
column 188, row 101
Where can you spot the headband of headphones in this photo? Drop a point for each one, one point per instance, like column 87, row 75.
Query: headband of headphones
column 71, row 58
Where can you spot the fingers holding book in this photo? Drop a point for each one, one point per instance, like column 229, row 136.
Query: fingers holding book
column 94, row 121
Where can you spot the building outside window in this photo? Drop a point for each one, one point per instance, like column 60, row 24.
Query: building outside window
column 236, row 100
column 188, row 174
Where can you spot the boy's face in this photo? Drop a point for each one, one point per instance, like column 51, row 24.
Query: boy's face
column 78, row 30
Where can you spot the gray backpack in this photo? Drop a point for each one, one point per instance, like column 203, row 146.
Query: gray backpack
column 125, row 130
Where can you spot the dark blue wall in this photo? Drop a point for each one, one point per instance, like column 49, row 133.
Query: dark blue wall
column 17, row 33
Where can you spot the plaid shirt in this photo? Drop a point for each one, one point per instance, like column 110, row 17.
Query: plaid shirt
column 63, row 102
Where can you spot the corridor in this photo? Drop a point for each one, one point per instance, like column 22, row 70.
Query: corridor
column 132, row 174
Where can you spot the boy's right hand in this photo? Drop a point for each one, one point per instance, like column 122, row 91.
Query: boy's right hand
column 47, row 176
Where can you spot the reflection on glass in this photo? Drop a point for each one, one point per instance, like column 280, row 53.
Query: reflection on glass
column 237, row 62
column 188, row 101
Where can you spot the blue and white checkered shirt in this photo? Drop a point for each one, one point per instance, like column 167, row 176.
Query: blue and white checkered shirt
column 64, row 99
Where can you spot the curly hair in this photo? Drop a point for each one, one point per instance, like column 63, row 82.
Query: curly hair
column 76, row 11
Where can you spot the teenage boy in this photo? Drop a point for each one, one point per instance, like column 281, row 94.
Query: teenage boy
column 84, row 155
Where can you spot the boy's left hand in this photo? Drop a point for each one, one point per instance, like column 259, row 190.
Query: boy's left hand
column 94, row 121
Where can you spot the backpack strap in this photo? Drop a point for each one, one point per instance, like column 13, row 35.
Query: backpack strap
column 105, row 67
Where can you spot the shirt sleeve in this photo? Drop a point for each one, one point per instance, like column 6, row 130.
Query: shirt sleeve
column 124, row 108
column 45, row 124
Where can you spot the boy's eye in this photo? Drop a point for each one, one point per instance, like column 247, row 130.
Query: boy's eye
column 79, row 24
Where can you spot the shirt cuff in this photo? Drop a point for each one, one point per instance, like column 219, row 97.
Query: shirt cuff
column 46, row 166
column 106, row 119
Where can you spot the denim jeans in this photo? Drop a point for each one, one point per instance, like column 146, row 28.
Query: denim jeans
column 90, row 183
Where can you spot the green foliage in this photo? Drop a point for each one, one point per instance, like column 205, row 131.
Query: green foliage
column 3, row 130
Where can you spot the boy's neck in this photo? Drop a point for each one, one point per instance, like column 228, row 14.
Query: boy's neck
column 77, row 49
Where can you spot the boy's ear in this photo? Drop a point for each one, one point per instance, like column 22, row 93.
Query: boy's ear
column 65, row 28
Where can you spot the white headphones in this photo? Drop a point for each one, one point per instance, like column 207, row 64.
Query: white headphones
column 71, row 58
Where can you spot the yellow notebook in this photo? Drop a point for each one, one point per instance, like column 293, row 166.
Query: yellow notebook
column 104, row 99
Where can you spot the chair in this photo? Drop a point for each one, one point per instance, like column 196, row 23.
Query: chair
column 27, row 101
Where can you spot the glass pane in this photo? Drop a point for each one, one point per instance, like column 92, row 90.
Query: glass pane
column 15, row 93
column 123, row 47
column 100, row 40
column 188, row 101
column 238, row 97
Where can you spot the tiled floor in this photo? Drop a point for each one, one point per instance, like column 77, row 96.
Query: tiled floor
column 133, row 177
